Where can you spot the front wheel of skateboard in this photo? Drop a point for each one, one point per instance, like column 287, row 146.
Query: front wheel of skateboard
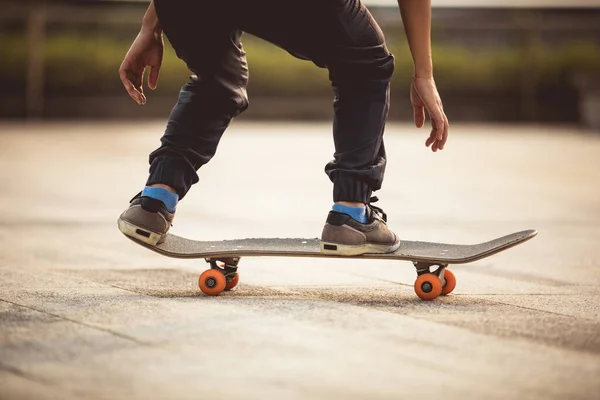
column 212, row 282
column 428, row 286
column 233, row 282
column 450, row 282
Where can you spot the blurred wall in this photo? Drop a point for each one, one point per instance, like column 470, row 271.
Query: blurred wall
column 60, row 60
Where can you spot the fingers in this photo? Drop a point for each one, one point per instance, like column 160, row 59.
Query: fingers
column 424, row 96
column 438, row 117
column 431, row 140
column 153, row 76
column 445, row 136
column 419, row 115
column 439, row 130
column 442, row 131
column 132, row 84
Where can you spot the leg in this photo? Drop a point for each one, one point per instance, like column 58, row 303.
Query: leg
column 359, row 162
column 361, row 81
column 342, row 36
column 208, row 102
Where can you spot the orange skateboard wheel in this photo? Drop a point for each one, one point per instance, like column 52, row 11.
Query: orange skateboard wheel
column 212, row 282
column 428, row 286
column 233, row 282
column 450, row 282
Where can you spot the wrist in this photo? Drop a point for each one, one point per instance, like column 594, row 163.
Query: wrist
column 423, row 71
column 151, row 25
column 152, row 30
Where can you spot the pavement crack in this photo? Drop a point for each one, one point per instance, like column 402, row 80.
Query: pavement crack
column 82, row 323
column 22, row 374
column 112, row 285
column 537, row 310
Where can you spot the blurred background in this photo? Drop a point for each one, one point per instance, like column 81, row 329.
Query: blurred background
column 495, row 61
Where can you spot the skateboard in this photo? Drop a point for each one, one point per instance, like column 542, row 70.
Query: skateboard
column 429, row 259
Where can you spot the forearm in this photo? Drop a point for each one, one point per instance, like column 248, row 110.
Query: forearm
column 416, row 16
column 150, row 20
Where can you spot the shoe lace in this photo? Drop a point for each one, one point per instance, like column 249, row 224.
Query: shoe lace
column 376, row 210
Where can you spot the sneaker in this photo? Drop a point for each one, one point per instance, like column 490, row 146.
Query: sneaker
column 146, row 220
column 345, row 236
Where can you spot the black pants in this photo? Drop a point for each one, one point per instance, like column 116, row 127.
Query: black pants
column 340, row 35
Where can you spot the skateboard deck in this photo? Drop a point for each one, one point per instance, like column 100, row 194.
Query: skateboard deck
column 424, row 255
column 179, row 247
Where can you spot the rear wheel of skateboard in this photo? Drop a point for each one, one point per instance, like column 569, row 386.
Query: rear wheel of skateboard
column 233, row 282
column 450, row 282
column 212, row 282
column 428, row 286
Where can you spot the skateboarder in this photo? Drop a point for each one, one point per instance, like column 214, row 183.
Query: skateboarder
column 340, row 35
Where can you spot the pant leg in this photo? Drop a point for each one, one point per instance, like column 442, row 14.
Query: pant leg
column 342, row 36
column 214, row 95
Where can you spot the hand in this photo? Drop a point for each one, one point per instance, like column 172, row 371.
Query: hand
column 146, row 51
column 424, row 95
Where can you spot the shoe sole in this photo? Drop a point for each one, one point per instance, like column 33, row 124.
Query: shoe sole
column 357, row 249
column 139, row 234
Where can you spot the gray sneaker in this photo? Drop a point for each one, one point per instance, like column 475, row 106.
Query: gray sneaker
column 343, row 235
column 146, row 220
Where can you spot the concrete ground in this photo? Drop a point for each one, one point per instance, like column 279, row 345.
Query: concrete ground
column 86, row 313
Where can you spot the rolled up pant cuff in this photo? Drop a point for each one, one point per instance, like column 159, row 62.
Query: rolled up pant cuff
column 174, row 172
column 351, row 191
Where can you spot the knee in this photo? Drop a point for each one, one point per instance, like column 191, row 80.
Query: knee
column 373, row 64
column 215, row 96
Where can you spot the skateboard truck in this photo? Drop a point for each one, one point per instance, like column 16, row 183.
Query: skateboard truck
column 229, row 266
column 227, row 262
column 425, row 268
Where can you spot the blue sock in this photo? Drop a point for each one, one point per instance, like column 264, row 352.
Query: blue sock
column 169, row 199
column 358, row 213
